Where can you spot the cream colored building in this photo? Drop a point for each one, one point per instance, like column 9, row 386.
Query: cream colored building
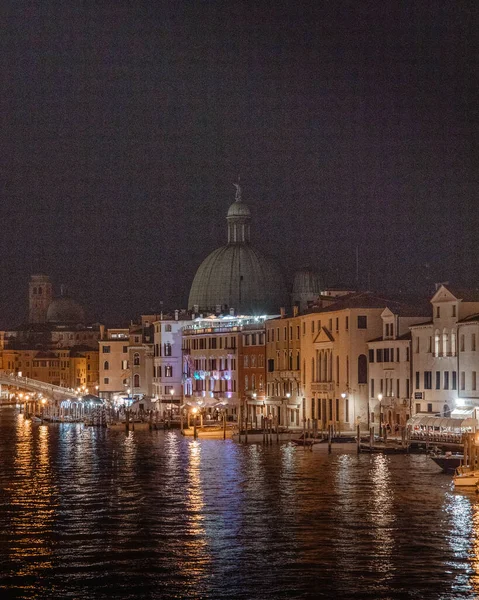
column 334, row 351
column 445, row 354
column 390, row 367
column 283, row 369
column 114, row 368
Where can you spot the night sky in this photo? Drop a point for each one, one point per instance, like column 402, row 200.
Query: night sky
column 125, row 124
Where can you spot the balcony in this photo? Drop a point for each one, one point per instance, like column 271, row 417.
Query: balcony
column 293, row 375
column 327, row 386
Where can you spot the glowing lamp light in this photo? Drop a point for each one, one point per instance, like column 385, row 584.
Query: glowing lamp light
column 343, row 395
column 44, row 401
column 288, row 395
column 380, row 397
column 194, row 410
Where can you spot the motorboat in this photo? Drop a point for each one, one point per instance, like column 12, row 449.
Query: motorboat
column 448, row 461
column 464, row 477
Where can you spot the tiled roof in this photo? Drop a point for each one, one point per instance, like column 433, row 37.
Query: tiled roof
column 370, row 300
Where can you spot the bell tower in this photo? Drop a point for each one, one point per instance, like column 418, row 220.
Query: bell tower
column 39, row 298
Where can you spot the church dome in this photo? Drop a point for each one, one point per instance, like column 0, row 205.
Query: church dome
column 237, row 275
column 65, row 310
column 306, row 281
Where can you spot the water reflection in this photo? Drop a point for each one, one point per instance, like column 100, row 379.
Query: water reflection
column 31, row 495
column 90, row 513
column 382, row 517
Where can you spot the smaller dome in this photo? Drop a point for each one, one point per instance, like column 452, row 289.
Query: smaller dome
column 239, row 209
column 65, row 310
column 306, row 281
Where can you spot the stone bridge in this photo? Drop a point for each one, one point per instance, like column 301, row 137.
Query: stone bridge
column 55, row 392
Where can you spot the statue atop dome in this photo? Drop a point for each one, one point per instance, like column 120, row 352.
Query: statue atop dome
column 238, row 190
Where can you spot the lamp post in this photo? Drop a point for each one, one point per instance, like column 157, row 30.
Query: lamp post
column 380, row 397
column 194, row 410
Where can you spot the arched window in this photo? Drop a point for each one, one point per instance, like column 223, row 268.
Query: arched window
column 436, row 342
column 362, row 369
column 136, row 380
column 445, row 342
column 136, row 359
column 453, row 342
column 106, row 365
column 253, row 382
column 167, row 349
column 246, row 382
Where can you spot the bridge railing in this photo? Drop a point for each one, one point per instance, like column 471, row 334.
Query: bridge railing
column 9, row 378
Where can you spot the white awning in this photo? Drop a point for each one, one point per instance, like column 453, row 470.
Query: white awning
column 442, row 422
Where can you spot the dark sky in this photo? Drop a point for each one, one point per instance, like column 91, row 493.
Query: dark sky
column 124, row 125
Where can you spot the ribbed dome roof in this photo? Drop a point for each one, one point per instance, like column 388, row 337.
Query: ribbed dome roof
column 237, row 276
column 65, row 310
column 239, row 209
column 306, row 281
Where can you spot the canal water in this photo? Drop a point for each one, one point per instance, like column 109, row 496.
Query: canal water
column 90, row 513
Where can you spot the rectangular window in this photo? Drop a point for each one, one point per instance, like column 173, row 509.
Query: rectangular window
column 313, row 405
column 106, row 380
column 417, row 380
column 371, row 356
column 438, row 312
column 347, row 323
column 330, row 409
column 106, row 349
column 446, row 380
column 386, row 354
column 168, row 371
column 337, row 409
column 381, row 386
column 330, row 324
column 408, row 391
column 418, row 407
column 397, row 354
column 453, row 310
column 463, row 343
column 270, row 365
column 463, row 380
column 473, row 342
column 429, row 408
column 312, row 326
column 346, row 410
column 319, row 408
column 428, row 380
column 473, row 383
column 304, row 327
column 372, row 388
column 337, row 323
column 438, row 380
column 379, row 355
column 454, row 381
column 407, row 354
column 398, row 389
column 362, row 322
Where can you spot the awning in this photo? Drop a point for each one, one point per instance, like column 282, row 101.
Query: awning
column 442, row 422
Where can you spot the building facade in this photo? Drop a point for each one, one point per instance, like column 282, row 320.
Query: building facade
column 445, row 356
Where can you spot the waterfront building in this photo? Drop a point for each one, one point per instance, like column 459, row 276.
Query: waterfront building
column 114, row 368
column 75, row 367
column 445, row 355
column 390, row 366
column 237, row 276
column 283, row 360
column 212, row 347
column 168, row 360
column 334, row 349
column 252, row 371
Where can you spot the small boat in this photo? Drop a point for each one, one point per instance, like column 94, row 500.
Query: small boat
column 448, row 462
column 36, row 420
column 465, row 477
column 305, row 442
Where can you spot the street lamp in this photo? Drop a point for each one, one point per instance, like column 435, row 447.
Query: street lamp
column 380, row 397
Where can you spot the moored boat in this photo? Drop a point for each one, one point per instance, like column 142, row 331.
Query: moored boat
column 448, row 462
column 464, row 477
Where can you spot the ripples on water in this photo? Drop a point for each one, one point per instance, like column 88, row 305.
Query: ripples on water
column 88, row 513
